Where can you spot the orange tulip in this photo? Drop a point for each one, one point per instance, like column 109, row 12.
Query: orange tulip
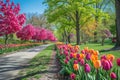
column 96, row 52
column 110, row 57
column 74, row 55
column 77, row 46
column 82, row 56
column 76, row 67
column 91, row 51
column 94, row 57
column 86, row 49
column 69, row 45
column 97, row 64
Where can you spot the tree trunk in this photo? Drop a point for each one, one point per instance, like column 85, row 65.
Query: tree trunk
column 65, row 36
column 6, row 38
column 44, row 41
column 63, row 39
column 77, row 29
column 102, row 42
column 117, row 5
column 69, row 39
column 95, row 37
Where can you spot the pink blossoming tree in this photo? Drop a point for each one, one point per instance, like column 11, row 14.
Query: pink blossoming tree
column 10, row 19
column 50, row 36
column 26, row 33
column 42, row 34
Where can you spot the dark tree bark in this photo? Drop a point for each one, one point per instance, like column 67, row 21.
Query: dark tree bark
column 63, row 38
column 117, row 5
column 6, row 38
column 95, row 37
column 77, row 29
column 102, row 42
column 69, row 39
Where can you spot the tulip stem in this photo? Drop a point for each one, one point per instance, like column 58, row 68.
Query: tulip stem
column 107, row 75
column 118, row 73
column 97, row 75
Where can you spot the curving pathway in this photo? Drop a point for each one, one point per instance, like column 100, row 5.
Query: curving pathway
column 11, row 64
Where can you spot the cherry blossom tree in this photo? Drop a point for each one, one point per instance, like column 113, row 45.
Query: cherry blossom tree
column 26, row 33
column 42, row 34
column 10, row 19
column 50, row 36
column 36, row 36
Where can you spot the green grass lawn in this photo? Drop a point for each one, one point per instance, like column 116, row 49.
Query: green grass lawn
column 38, row 65
column 99, row 47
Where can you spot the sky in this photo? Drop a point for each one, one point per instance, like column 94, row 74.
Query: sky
column 31, row 6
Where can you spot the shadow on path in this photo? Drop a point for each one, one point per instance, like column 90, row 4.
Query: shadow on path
column 11, row 64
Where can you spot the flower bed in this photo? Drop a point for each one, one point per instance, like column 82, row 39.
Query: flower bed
column 87, row 64
column 14, row 47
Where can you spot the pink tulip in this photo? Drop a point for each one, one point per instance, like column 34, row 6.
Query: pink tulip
column 118, row 61
column 78, row 55
column 88, row 56
column 113, row 75
column 73, row 76
column 111, row 64
column 106, row 65
column 71, row 55
column 82, row 62
column 87, row 68
column 67, row 58
column 75, row 62
column 83, row 51
column 66, row 61
column 103, row 57
column 66, row 53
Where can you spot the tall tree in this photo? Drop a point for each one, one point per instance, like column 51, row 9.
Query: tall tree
column 117, row 6
column 80, row 12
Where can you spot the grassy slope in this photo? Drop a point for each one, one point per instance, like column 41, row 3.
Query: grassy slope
column 38, row 64
column 99, row 47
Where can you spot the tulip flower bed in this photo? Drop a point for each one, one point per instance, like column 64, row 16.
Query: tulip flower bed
column 87, row 64
column 15, row 47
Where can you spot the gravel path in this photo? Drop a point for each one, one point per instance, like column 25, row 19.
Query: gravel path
column 11, row 64
column 52, row 71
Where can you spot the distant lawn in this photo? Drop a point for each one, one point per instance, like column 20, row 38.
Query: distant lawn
column 96, row 46
column 99, row 47
column 38, row 65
